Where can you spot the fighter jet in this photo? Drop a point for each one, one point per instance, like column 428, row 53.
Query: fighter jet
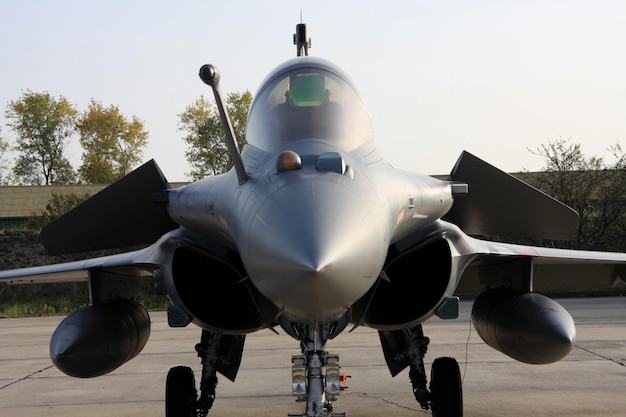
column 312, row 234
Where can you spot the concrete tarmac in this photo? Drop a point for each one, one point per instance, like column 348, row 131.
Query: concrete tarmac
column 590, row 381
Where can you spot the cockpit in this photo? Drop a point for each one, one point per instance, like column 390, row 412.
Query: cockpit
column 307, row 98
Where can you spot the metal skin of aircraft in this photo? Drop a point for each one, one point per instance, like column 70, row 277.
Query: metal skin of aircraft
column 312, row 232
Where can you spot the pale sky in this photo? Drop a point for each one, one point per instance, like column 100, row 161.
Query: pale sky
column 494, row 78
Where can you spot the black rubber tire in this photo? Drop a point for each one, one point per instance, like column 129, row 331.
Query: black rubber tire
column 445, row 388
column 180, row 392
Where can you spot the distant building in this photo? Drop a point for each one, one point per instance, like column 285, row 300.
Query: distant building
column 19, row 203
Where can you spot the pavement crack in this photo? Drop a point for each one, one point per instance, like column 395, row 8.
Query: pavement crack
column 601, row 356
column 388, row 401
column 26, row 377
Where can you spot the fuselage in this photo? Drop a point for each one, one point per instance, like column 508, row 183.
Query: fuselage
column 315, row 218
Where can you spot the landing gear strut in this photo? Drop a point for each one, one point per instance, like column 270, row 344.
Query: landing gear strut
column 316, row 373
column 217, row 352
column 416, row 346
column 407, row 347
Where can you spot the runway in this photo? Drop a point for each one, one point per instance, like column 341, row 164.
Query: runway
column 590, row 381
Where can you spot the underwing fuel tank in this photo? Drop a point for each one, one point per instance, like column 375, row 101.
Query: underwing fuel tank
column 528, row 327
column 96, row 340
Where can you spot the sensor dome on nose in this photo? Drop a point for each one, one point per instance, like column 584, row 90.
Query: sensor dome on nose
column 288, row 161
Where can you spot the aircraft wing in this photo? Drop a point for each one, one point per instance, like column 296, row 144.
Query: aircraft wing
column 125, row 214
column 540, row 268
column 499, row 204
column 135, row 263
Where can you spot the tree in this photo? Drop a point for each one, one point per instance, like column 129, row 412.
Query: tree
column 112, row 144
column 207, row 152
column 4, row 146
column 57, row 205
column 595, row 189
column 43, row 125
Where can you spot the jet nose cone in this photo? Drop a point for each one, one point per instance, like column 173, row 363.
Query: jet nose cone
column 315, row 249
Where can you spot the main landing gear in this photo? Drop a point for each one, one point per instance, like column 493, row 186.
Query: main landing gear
column 407, row 347
column 446, row 396
column 218, row 353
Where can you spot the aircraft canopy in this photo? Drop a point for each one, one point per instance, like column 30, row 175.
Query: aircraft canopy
column 307, row 98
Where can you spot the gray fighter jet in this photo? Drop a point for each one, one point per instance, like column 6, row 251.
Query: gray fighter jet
column 313, row 233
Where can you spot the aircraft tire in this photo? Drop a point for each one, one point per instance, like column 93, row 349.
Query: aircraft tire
column 445, row 387
column 180, row 392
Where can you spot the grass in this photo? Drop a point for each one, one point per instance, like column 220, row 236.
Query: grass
column 21, row 248
column 37, row 309
column 62, row 307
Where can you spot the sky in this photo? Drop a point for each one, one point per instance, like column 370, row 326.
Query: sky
column 498, row 79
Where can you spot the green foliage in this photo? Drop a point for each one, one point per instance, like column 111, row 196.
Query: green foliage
column 22, row 249
column 58, row 205
column 592, row 187
column 34, row 300
column 153, row 302
column 112, row 144
column 37, row 309
column 4, row 146
column 207, row 152
column 43, row 125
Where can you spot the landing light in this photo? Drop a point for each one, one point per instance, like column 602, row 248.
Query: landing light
column 298, row 376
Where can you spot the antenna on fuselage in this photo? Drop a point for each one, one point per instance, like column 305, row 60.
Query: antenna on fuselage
column 211, row 76
column 301, row 38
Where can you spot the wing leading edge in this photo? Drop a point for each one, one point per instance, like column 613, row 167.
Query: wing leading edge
column 542, row 269
column 135, row 263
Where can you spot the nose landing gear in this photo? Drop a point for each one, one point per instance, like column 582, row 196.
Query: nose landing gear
column 316, row 376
